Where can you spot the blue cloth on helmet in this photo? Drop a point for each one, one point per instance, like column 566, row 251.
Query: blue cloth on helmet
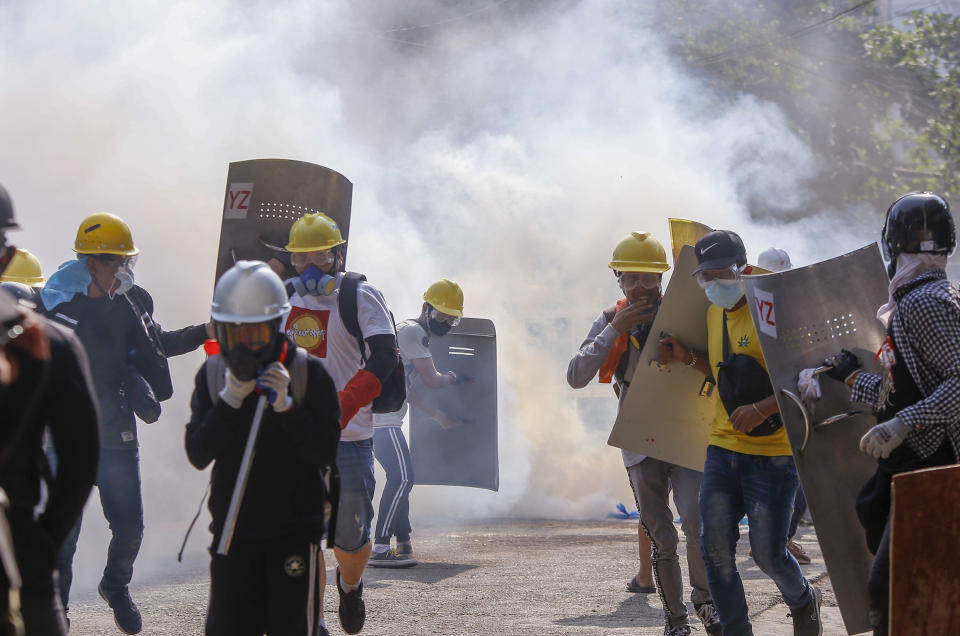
column 71, row 278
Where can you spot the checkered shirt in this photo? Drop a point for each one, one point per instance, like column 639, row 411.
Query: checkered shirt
column 926, row 332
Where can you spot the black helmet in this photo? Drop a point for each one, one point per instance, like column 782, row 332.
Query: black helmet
column 7, row 222
column 918, row 222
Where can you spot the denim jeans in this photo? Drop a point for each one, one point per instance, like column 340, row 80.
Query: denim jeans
column 118, row 480
column 355, row 512
column 763, row 488
column 799, row 508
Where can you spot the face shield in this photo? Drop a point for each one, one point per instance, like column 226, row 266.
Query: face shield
column 248, row 347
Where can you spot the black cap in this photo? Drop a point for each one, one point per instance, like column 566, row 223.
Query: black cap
column 7, row 221
column 718, row 250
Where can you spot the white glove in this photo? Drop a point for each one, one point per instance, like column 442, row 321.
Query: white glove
column 882, row 439
column 234, row 390
column 276, row 379
column 809, row 386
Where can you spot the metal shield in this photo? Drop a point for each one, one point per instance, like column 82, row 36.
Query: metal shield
column 466, row 455
column 802, row 316
column 684, row 232
column 668, row 410
column 265, row 196
column 924, row 560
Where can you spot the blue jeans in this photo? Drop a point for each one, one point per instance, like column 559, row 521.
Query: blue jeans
column 355, row 512
column 393, row 518
column 118, row 480
column 763, row 488
column 799, row 508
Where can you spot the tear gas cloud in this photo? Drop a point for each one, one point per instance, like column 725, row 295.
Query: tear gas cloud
column 504, row 145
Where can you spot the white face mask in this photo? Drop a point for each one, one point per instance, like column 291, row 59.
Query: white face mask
column 125, row 276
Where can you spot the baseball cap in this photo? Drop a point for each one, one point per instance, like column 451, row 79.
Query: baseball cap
column 719, row 249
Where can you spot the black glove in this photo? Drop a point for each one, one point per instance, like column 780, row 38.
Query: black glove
column 844, row 364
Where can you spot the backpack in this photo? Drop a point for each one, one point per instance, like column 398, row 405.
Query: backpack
column 393, row 392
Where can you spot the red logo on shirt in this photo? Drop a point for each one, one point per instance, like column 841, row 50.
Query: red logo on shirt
column 309, row 328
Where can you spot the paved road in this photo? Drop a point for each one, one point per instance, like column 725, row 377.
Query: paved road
column 502, row 576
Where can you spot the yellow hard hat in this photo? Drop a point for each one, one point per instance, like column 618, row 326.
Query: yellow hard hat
column 639, row 252
column 445, row 296
column 105, row 234
column 314, row 232
column 24, row 268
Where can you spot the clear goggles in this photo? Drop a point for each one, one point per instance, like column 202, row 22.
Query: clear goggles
column 252, row 335
column 646, row 280
column 125, row 262
column 304, row 260
column 707, row 277
column 439, row 316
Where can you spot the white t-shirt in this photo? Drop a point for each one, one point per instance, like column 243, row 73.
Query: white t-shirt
column 414, row 343
column 314, row 321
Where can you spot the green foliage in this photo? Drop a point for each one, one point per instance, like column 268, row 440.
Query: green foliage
column 878, row 104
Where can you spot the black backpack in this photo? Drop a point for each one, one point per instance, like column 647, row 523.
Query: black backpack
column 393, row 392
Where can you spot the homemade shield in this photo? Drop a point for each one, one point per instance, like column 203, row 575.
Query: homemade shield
column 668, row 411
column 803, row 316
column 262, row 200
column 925, row 562
column 465, row 455
column 684, row 232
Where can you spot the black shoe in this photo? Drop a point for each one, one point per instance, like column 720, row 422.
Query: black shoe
column 806, row 620
column 125, row 612
column 404, row 548
column 352, row 611
column 391, row 559
column 707, row 613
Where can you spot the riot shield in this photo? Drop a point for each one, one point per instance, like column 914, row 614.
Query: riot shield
column 684, row 232
column 802, row 316
column 265, row 196
column 668, row 411
column 924, row 560
column 466, row 455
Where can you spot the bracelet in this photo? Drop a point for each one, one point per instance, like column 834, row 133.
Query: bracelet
column 693, row 358
column 754, row 405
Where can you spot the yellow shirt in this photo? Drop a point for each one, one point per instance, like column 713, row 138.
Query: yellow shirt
column 743, row 339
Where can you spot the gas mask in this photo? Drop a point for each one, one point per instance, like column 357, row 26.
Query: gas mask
column 314, row 282
column 440, row 323
column 248, row 347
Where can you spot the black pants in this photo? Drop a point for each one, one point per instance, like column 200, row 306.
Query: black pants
column 36, row 558
column 269, row 588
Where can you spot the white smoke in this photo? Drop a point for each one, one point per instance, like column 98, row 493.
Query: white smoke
column 507, row 146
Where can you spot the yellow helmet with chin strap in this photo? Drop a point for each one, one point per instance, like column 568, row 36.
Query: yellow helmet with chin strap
column 639, row 252
column 24, row 268
column 105, row 234
column 313, row 233
column 445, row 296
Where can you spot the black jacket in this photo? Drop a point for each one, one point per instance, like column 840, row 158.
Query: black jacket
column 120, row 338
column 285, row 492
column 58, row 397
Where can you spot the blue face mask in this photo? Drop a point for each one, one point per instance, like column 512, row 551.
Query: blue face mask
column 724, row 293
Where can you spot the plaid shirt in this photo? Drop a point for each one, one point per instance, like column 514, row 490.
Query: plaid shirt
column 926, row 334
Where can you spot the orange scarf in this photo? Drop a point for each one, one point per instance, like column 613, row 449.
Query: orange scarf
column 619, row 348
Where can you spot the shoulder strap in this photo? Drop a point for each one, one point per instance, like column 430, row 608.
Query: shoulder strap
column 726, row 339
column 298, row 376
column 347, row 305
column 145, row 320
column 216, row 376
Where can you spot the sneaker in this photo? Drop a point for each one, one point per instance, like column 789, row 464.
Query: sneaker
column 677, row 630
column 798, row 552
column 390, row 559
column 707, row 613
column 806, row 620
column 352, row 611
column 405, row 548
column 125, row 612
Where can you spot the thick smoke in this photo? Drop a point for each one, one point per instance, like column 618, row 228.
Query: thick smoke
column 505, row 145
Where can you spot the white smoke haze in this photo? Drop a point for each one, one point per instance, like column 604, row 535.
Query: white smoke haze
column 507, row 146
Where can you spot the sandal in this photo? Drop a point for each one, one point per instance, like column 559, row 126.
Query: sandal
column 632, row 586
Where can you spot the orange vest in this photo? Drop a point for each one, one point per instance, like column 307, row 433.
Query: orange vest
column 619, row 348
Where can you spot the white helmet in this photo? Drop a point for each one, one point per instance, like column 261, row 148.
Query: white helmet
column 774, row 260
column 249, row 292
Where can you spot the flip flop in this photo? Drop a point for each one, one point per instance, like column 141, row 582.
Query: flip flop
column 639, row 589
